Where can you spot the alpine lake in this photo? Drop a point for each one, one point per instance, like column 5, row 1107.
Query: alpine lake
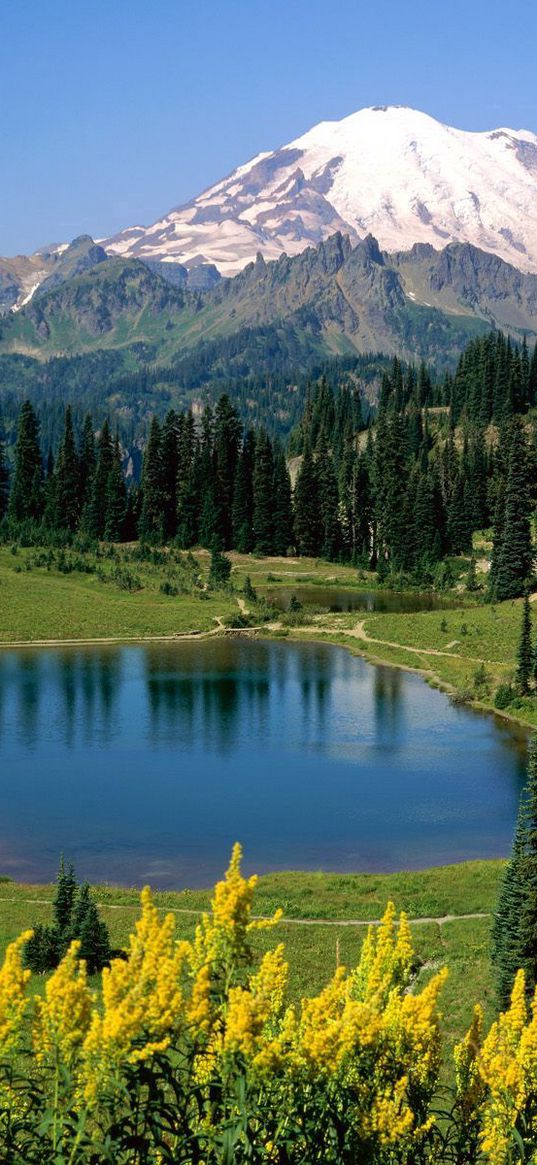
column 144, row 763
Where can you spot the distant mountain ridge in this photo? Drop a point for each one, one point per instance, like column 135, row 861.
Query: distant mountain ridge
column 333, row 299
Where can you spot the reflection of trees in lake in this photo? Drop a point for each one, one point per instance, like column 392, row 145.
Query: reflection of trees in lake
column 76, row 691
column 388, row 705
column 203, row 695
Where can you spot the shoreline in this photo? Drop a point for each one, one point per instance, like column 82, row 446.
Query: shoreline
column 295, row 635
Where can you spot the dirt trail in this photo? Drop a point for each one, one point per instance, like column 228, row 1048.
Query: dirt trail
column 439, row 921
column 359, row 632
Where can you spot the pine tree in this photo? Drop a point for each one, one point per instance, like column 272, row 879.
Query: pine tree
column 282, row 503
column 187, row 482
column 115, row 498
column 152, row 516
column 89, row 928
column 4, row 474
column 513, row 563
column 243, row 497
column 330, row 535
column 227, row 436
column 219, row 570
column 308, row 530
column 94, row 517
column 514, row 932
column 26, row 498
column 170, row 471
column 506, row 936
column 524, row 653
column 62, row 906
column 86, row 462
column 67, row 480
column 262, row 518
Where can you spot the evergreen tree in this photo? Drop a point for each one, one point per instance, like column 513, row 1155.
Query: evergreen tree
column 514, row 932
column 152, row 515
column 26, row 498
column 94, row 517
column 89, row 928
column 67, row 483
column 115, row 498
column 86, row 463
column 524, row 653
column 308, row 531
column 227, row 436
column 4, row 475
column 62, row 906
column 262, row 519
column 243, row 497
column 513, row 563
column 282, row 503
column 220, row 570
column 187, row 482
column 170, row 473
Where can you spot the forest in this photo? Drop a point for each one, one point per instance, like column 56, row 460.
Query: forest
column 400, row 490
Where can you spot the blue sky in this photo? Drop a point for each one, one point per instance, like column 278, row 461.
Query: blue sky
column 113, row 112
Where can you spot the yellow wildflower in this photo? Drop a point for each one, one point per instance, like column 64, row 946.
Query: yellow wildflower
column 143, row 1000
column 63, row 1016
column 13, row 1001
column 222, row 936
column 501, row 1070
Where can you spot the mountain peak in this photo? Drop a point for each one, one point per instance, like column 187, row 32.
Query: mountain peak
column 390, row 171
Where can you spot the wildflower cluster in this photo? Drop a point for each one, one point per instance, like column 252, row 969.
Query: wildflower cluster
column 190, row 1052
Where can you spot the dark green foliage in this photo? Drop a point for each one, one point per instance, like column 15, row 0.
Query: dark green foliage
column 94, row 517
column 4, row 475
column 26, row 497
column 88, row 927
column 243, row 497
column 514, row 931
column 512, row 560
column 152, row 514
column 524, row 653
column 262, row 521
column 249, row 591
column 76, row 916
column 67, row 483
column 220, row 570
column 66, row 888
column 308, row 529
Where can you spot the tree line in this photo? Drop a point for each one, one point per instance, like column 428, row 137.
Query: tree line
column 401, row 495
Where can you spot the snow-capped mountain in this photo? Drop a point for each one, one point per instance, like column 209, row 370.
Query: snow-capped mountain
column 389, row 171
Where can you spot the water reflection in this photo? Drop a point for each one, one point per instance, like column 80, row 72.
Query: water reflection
column 343, row 600
column 150, row 761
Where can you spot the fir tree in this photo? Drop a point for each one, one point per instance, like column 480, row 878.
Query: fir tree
column 115, row 498
column 152, row 516
column 243, row 497
column 94, row 517
column 514, row 931
column 513, row 557
column 524, row 653
column 220, row 570
column 89, row 928
column 262, row 519
column 66, row 887
column 26, row 497
column 306, row 505
column 67, row 483
column 86, row 463
column 282, row 504
column 4, row 475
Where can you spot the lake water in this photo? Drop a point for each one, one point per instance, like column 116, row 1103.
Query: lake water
column 346, row 599
column 145, row 763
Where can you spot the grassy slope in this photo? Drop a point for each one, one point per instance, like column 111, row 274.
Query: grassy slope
column 313, row 950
